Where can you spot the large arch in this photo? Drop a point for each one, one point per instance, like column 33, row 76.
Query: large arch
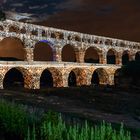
column 51, row 77
column 100, row 77
column 14, row 78
column 43, row 51
column 68, row 54
column 72, row 79
column 92, row 55
column 111, row 56
column 125, row 57
column 12, row 49
column 137, row 57
column 46, row 79
column 77, row 77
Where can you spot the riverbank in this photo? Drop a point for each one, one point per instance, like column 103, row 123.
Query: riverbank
column 93, row 103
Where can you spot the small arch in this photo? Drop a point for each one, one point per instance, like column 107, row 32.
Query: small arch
column 23, row 30
column 43, row 51
column 34, row 32
column 12, row 49
column 125, row 57
column 100, row 77
column 96, row 41
column 57, row 35
column 137, row 57
column 1, row 28
column 111, row 57
column 14, row 78
column 122, row 44
column 44, row 34
column 92, row 55
column 14, row 29
column 77, row 38
column 70, row 37
column 72, row 79
column 107, row 42
column 46, row 79
column 68, row 54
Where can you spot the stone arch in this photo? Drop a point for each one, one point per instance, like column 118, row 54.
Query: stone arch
column 57, row 35
column 46, row 79
column 100, row 77
column 23, row 30
column 43, row 51
column 137, row 56
column 125, row 57
column 108, row 42
column 111, row 56
column 14, row 28
column 77, row 38
column 34, row 32
column 68, row 53
column 92, row 55
column 51, row 77
column 1, row 28
column 12, row 49
column 72, row 79
column 77, row 77
column 15, row 78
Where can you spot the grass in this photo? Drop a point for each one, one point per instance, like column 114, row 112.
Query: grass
column 23, row 123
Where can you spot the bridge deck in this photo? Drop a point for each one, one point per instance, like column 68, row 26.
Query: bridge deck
column 54, row 64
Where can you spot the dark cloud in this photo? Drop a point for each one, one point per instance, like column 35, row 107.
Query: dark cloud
column 36, row 8
column 116, row 18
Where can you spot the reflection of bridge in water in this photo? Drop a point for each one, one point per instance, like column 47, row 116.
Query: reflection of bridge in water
column 34, row 56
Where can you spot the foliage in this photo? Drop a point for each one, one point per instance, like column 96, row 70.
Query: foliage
column 61, row 131
column 132, row 69
column 14, row 119
column 2, row 15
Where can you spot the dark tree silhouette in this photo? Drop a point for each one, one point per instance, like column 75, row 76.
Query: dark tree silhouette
column 132, row 70
column 2, row 15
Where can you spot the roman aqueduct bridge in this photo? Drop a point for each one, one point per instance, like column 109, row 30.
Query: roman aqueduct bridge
column 58, row 57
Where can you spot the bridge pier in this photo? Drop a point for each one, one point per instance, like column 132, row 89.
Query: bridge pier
column 29, row 56
column 111, row 79
column 32, row 82
column 119, row 59
column 57, row 55
column 80, row 56
column 102, row 58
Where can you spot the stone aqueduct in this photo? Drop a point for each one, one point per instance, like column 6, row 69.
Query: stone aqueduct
column 60, row 65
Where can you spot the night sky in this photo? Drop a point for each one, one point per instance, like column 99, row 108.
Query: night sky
column 113, row 18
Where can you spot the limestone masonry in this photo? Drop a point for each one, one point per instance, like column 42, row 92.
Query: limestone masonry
column 30, row 34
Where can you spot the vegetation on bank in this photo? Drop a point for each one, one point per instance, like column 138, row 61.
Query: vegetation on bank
column 129, row 74
column 132, row 70
column 22, row 123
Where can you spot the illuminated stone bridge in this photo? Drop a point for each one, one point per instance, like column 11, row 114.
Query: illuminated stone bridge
column 35, row 56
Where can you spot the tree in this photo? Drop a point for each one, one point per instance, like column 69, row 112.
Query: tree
column 2, row 15
column 132, row 69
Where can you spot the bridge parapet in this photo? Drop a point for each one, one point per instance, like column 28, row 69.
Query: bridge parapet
column 36, row 32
